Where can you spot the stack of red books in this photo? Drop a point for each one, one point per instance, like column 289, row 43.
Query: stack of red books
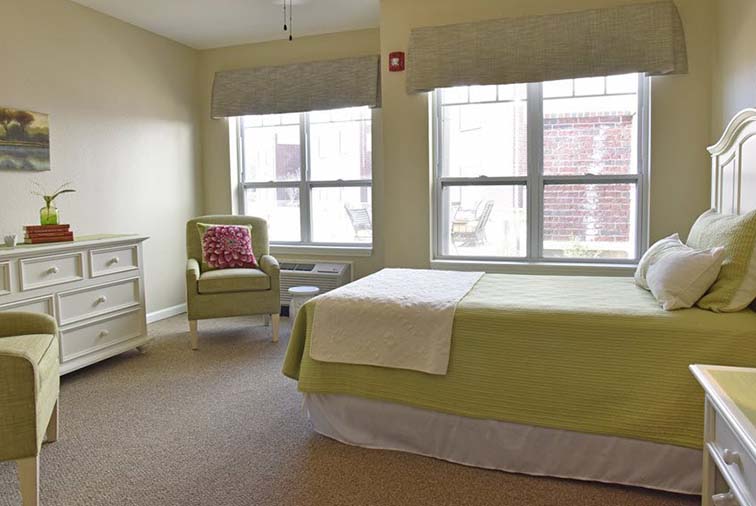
column 38, row 234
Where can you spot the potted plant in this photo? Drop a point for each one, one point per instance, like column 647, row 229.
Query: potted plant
column 49, row 215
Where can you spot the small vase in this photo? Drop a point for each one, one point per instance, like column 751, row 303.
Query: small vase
column 48, row 215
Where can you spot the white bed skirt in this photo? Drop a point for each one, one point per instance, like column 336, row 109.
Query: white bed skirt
column 505, row 446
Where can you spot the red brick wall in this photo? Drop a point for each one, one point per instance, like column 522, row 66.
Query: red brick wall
column 576, row 144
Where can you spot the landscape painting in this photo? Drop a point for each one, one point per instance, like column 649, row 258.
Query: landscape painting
column 24, row 140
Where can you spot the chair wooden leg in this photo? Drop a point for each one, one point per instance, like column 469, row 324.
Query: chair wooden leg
column 28, row 480
column 51, row 435
column 193, row 334
column 266, row 320
column 276, row 321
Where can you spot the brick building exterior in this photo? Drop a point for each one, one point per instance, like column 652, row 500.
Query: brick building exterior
column 588, row 143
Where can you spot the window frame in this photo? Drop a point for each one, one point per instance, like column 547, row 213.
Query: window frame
column 535, row 182
column 305, row 185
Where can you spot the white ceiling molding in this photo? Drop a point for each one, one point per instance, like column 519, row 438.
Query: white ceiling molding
column 207, row 24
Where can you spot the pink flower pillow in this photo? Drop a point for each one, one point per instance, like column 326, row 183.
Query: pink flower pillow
column 227, row 247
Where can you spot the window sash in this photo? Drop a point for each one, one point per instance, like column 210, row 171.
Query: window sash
column 535, row 182
column 305, row 185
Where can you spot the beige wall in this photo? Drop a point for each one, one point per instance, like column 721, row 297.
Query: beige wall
column 680, row 125
column 123, row 129
column 129, row 110
column 219, row 183
column 735, row 56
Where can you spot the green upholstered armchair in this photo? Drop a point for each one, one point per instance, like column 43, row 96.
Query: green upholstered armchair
column 29, row 385
column 231, row 292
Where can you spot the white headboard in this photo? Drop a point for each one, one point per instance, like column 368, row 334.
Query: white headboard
column 733, row 176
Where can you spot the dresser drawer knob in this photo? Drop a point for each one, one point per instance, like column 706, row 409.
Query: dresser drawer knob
column 104, row 333
column 53, row 270
column 727, row 499
column 102, row 299
column 730, row 456
column 113, row 261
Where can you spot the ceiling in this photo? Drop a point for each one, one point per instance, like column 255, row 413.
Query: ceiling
column 205, row 24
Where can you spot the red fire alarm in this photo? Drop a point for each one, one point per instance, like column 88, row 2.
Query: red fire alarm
column 396, row 61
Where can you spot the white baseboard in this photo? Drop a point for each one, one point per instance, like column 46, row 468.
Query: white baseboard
column 162, row 314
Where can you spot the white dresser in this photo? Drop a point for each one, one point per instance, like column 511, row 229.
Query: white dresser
column 729, row 467
column 93, row 286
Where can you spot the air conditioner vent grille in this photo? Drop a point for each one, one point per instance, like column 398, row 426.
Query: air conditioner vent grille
column 325, row 276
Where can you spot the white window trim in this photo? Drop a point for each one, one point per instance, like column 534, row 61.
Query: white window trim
column 305, row 186
column 309, row 249
column 534, row 258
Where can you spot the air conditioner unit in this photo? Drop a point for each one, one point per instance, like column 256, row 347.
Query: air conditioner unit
column 325, row 276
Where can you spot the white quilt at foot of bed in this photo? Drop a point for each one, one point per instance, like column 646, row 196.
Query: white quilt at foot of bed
column 399, row 318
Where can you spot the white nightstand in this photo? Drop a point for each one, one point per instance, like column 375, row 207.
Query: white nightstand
column 729, row 467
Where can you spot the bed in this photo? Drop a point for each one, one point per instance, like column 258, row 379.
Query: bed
column 577, row 377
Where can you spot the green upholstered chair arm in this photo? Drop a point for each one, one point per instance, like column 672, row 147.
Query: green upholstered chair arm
column 17, row 323
column 18, row 428
column 192, row 275
column 29, row 385
column 269, row 265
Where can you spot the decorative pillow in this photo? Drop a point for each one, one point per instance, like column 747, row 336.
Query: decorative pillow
column 653, row 254
column 735, row 288
column 226, row 247
column 683, row 274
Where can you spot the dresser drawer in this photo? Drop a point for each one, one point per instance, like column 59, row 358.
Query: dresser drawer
column 51, row 270
column 83, row 339
column 733, row 458
column 112, row 260
column 36, row 305
column 5, row 278
column 87, row 302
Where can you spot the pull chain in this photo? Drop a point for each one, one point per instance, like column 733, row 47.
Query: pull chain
column 291, row 23
column 284, row 5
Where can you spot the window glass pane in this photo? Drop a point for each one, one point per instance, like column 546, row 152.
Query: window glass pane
column 589, row 221
column 512, row 92
column 484, row 139
column 561, row 88
column 341, row 145
column 342, row 215
column 251, row 121
column 591, row 135
column 456, row 95
column 279, row 207
column 271, row 120
column 291, row 118
column 320, row 116
column 589, row 86
column 483, row 93
column 271, row 150
column 625, row 83
column 484, row 221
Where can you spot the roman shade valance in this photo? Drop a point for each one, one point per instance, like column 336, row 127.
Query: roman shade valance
column 645, row 37
column 319, row 85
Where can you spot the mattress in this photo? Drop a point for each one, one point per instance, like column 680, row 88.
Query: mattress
column 586, row 354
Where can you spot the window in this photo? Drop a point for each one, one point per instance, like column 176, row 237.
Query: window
column 309, row 175
column 550, row 171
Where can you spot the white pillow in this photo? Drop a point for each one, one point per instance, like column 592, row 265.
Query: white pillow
column 653, row 254
column 683, row 275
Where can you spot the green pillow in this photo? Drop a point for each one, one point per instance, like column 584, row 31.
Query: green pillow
column 735, row 288
column 226, row 246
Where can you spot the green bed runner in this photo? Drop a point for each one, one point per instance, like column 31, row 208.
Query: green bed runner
column 588, row 354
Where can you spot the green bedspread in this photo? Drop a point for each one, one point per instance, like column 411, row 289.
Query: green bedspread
column 587, row 354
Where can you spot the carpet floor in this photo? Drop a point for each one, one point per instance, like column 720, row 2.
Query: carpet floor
column 222, row 426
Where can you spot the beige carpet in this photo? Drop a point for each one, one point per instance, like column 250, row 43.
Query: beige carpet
column 222, row 426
